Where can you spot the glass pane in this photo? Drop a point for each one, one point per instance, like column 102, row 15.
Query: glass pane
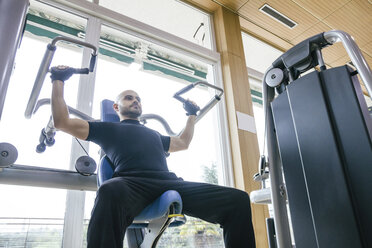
column 258, row 55
column 31, row 217
column 258, row 110
column 114, row 76
column 194, row 233
column 25, row 133
column 194, row 25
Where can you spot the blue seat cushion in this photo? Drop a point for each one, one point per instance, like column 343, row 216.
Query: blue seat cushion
column 108, row 113
column 161, row 206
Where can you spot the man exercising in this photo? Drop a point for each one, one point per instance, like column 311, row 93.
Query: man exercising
column 141, row 173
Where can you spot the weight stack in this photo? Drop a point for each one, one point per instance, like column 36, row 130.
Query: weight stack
column 324, row 134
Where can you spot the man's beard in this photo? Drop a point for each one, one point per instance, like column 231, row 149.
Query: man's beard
column 130, row 113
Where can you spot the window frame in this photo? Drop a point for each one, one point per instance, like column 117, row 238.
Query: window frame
column 97, row 16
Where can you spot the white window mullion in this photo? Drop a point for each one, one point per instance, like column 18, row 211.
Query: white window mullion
column 228, row 174
column 75, row 200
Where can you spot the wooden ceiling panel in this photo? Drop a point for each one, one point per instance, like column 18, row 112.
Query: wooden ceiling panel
column 320, row 8
column 368, row 49
column 345, row 59
column 368, row 59
column 233, row 4
column 333, row 53
column 303, row 18
column 314, row 30
column 354, row 18
column 264, row 35
column 330, row 54
column 369, row 62
column 342, row 61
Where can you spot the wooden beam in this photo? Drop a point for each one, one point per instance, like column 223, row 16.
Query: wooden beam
column 244, row 144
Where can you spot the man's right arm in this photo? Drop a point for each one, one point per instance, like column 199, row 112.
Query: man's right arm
column 62, row 121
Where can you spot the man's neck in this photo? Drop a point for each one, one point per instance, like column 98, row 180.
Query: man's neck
column 122, row 118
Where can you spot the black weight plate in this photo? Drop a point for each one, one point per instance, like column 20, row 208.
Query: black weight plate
column 8, row 155
column 85, row 165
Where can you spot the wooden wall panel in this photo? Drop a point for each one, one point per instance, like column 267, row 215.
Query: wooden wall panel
column 244, row 145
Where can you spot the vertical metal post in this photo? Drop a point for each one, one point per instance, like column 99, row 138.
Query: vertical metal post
column 320, row 59
column 278, row 193
column 12, row 22
column 271, row 236
column 275, row 169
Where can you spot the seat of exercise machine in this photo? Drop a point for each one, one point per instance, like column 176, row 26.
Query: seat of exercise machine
column 161, row 206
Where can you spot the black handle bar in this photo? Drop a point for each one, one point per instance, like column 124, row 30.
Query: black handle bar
column 80, row 70
column 209, row 105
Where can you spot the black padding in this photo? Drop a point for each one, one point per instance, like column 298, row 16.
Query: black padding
column 353, row 128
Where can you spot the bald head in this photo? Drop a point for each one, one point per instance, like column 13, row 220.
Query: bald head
column 128, row 105
column 124, row 93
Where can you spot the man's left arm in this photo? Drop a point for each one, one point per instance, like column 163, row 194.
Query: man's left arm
column 182, row 141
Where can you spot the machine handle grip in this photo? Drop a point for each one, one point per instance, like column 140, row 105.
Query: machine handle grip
column 92, row 63
column 81, row 71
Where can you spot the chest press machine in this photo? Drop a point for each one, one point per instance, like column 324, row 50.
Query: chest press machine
column 319, row 148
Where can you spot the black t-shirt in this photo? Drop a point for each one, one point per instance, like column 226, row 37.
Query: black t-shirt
column 131, row 146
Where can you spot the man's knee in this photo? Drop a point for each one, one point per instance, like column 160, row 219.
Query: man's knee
column 241, row 200
column 240, row 196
